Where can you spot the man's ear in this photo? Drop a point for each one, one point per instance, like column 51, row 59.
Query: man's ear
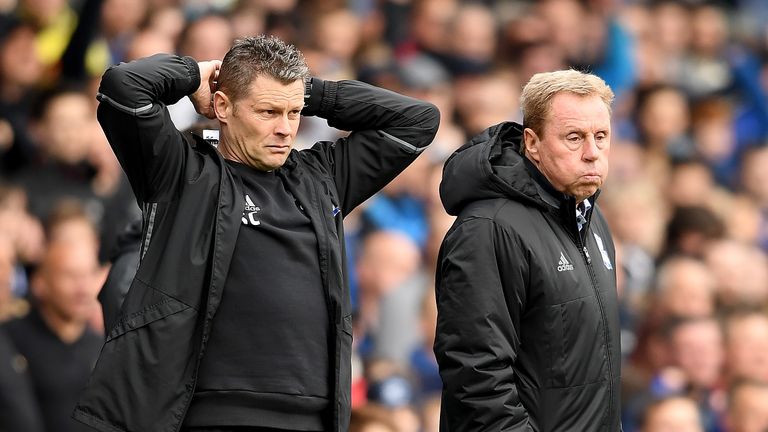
column 222, row 106
column 531, row 142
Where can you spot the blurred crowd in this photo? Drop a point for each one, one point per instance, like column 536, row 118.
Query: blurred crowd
column 686, row 198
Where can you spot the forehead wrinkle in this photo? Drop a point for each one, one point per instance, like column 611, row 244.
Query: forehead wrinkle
column 276, row 96
column 270, row 91
column 571, row 117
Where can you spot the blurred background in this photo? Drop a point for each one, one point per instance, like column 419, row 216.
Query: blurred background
column 687, row 195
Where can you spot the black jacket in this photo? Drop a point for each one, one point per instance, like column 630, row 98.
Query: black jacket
column 527, row 332
column 192, row 204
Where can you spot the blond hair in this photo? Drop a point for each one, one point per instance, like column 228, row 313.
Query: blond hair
column 536, row 98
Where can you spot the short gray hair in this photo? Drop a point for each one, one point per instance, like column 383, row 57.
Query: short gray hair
column 256, row 56
column 536, row 98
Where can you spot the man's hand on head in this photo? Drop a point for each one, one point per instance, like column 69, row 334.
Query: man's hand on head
column 202, row 98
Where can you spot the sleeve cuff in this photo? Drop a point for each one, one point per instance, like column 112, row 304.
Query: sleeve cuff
column 319, row 97
column 313, row 95
column 194, row 73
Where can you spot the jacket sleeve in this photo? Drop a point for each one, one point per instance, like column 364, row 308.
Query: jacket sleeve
column 387, row 132
column 134, row 118
column 480, row 298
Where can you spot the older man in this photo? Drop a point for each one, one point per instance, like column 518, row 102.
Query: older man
column 528, row 332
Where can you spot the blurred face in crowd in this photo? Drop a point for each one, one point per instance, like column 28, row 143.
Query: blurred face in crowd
column 43, row 12
column 260, row 128
column 663, row 117
column 697, row 348
column 208, row 38
column 673, row 415
column 741, row 271
column 387, row 259
column 572, row 151
column 429, row 23
column 755, row 176
column 709, row 26
column 644, row 229
column 687, row 288
column 19, row 61
column 74, row 231
column 122, row 16
column 744, row 221
column 167, row 20
column 473, row 33
column 690, row 184
column 565, row 20
column 23, row 231
column 486, row 99
column 673, row 27
column 147, row 43
column 747, row 347
column 67, row 283
column 748, row 409
column 338, row 33
column 66, row 118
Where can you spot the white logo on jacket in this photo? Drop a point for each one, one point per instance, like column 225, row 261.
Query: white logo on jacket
column 603, row 252
column 563, row 264
column 249, row 213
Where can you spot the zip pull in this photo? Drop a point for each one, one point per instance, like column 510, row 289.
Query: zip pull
column 301, row 207
column 586, row 254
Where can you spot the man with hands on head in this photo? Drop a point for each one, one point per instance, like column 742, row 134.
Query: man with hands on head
column 239, row 316
column 527, row 332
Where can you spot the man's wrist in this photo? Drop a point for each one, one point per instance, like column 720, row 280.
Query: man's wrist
column 307, row 89
column 313, row 96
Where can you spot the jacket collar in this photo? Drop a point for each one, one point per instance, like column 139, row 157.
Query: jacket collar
column 547, row 192
column 564, row 205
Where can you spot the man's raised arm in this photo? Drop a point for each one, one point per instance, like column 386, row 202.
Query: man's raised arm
column 134, row 118
column 389, row 131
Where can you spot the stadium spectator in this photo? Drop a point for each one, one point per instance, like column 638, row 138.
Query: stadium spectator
column 55, row 338
column 747, row 407
column 673, row 414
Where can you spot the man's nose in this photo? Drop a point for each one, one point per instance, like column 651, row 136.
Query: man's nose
column 590, row 151
column 283, row 126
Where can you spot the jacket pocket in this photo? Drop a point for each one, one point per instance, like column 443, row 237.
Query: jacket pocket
column 555, row 343
column 150, row 313
column 575, row 344
column 146, row 367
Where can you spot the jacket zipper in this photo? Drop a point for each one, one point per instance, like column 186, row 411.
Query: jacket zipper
column 326, row 251
column 327, row 290
column 148, row 215
column 595, row 287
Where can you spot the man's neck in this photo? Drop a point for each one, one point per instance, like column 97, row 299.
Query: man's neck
column 67, row 330
column 226, row 150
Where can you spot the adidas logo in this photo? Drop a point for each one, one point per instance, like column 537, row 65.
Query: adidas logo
column 563, row 264
column 249, row 213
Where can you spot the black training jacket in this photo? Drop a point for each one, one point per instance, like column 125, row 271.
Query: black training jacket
column 527, row 330
column 192, row 204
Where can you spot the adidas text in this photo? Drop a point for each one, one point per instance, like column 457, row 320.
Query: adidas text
column 563, row 264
